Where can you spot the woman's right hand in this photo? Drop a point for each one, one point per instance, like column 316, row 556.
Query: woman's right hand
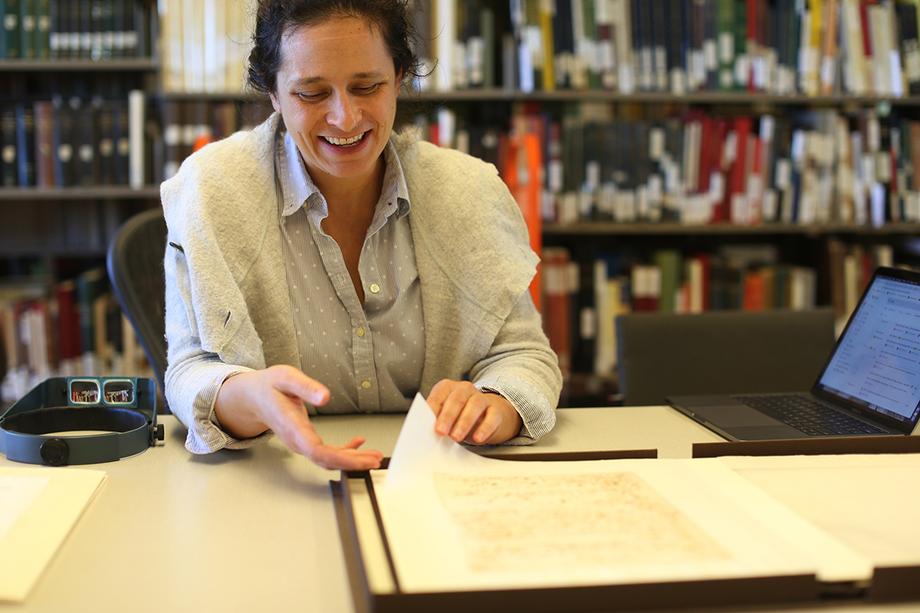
column 249, row 403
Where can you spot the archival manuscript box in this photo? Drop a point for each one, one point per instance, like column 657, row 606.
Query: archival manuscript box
column 372, row 552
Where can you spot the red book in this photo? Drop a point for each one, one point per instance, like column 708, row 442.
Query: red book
column 557, row 316
column 68, row 320
column 864, row 26
column 754, row 296
column 736, row 177
column 717, row 163
column 707, row 138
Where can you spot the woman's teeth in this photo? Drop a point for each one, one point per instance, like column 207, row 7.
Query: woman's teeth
column 344, row 142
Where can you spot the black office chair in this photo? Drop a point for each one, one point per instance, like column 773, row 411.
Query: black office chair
column 720, row 352
column 135, row 265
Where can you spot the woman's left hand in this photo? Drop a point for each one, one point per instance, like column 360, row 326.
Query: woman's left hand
column 468, row 415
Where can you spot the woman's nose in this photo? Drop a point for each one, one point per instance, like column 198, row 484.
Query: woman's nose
column 343, row 113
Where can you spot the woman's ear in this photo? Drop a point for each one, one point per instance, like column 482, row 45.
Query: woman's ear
column 275, row 104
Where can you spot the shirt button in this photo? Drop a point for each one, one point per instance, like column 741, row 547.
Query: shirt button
column 366, row 384
column 375, row 289
column 360, row 331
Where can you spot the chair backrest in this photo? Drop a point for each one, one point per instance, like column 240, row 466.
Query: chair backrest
column 720, row 352
column 135, row 265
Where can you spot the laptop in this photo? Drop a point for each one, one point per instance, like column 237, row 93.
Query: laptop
column 869, row 386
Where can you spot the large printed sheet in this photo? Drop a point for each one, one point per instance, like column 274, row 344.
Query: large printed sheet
column 457, row 521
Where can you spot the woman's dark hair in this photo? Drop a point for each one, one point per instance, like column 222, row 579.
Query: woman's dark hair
column 274, row 18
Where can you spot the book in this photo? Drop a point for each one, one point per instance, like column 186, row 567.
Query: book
column 27, row 29
column 136, row 112
column 12, row 33
column 87, row 167
column 25, row 145
column 44, row 143
column 41, row 43
column 9, row 149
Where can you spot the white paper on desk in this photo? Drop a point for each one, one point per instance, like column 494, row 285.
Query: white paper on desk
column 457, row 521
column 43, row 506
column 871, row 502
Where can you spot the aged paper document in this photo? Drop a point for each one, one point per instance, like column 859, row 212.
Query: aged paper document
column 612, row 519
column 38, row 509
column 457, row 521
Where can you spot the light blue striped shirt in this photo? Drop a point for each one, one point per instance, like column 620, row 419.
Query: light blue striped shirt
column 370, row 356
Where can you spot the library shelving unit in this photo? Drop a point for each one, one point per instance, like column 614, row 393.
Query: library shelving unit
column 74, row 138
column 593, row 247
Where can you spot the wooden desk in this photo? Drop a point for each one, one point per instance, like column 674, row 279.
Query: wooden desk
column 254, row 530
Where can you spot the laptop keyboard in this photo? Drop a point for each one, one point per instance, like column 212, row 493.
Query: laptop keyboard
column 808, row 415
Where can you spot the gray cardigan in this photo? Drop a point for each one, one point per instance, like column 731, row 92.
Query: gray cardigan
column 227, row 302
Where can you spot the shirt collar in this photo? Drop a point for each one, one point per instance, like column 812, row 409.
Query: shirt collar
column 299, row 190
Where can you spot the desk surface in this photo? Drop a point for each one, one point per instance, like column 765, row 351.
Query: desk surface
column 254, row 530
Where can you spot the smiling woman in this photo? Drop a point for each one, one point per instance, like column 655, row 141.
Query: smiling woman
column 322, row 264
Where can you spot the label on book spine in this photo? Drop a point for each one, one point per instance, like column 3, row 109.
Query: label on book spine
column 897, row 83
column 726, row 47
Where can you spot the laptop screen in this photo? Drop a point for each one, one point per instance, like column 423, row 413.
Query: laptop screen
column 876, row 363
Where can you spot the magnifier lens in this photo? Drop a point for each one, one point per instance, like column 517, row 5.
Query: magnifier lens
column 84, row 392
column 118, row 391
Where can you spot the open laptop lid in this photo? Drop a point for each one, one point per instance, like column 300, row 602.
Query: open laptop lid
column 874, row 368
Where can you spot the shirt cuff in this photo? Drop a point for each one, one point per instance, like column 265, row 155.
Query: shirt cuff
column 536, row 419
column 207, row 435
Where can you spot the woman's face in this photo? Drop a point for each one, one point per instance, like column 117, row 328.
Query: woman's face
column 336, row 90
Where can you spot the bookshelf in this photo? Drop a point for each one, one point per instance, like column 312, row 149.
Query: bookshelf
column 595, row 228
column 690, row 99
column 77, row 65
column 76, row 127
column 823, row 95
column 101, row 192
column 597, row 257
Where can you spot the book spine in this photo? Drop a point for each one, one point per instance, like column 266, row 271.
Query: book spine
column 25, row 139
column 136, row 120
column 44, row 144
column 27, row 29
column 9, row 147
column 42, row 42
column 11, row 28
column 87, row 169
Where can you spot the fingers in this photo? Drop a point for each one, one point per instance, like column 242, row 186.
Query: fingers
column 466, row 414
column 293, row 382
column 458, row 393
column 469, row 416
column 340, row 458
column 439, row 394
column 303, row 439
column 487, row 427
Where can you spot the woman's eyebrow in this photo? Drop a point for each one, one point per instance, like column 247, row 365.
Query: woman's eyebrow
column 358, row 75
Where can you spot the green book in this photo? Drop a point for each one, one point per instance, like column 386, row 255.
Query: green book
column 742, row 60
column 668, row 262
column 42, row 36
column 725, row 27
column 90, row 285
column 26, row 29
column 12, row 50
column 590, row 25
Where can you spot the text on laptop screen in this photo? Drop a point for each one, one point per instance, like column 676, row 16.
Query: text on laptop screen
column 877, row 362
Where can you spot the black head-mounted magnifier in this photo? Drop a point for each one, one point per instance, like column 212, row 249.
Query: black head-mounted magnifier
column 118, row 415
